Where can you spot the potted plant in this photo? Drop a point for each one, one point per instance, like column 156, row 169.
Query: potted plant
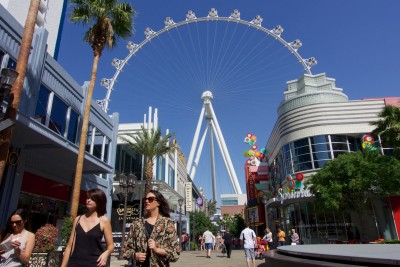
column 45, row 243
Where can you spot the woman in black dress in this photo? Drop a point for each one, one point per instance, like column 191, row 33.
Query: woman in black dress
column 88, row 231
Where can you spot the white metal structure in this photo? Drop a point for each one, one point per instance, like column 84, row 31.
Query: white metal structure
column 191, row 18
column 207, row 112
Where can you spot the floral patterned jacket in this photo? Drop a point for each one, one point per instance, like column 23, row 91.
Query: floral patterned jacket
column 163, row 233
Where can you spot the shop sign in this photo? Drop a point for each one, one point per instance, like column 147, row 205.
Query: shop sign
column 293, row 195
column 132, row 211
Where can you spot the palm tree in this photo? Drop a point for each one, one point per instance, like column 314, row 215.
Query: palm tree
column 15, row 94
column 151, row 145
column 388, row 127
column 212, row 207
column 108, row 19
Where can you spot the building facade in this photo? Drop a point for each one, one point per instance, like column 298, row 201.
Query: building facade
column 40, row 169
column 50, row 17
column 317, row 123
column 169, row 177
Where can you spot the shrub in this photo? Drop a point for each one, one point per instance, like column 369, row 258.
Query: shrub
column 193, row 246
column 65, row 231
column 45, row 238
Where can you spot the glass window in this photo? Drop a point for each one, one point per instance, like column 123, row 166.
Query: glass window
column 337, row 153
column 319, row 139
column 98, row 144
column 300, row 143
column 106, row 149
column 302, row 166
column 302, row 150
column 340, row 146
column 58, row 116
column 11, row 64
column 89, row 138
column 338, row 138
column 322, row 155
column 41, row 105
column 320, row 147
column 73, row 126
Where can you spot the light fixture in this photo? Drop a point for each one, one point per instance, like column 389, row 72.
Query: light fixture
column 7, row 79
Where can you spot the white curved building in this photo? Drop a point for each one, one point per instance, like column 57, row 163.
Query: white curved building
column 317, row 123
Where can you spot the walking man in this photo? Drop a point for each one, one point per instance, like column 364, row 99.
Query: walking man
column 208, row 241
column 248, row 239
column 228, row 242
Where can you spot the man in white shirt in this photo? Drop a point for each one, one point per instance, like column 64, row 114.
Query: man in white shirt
column 248, row 239
column 208, row 242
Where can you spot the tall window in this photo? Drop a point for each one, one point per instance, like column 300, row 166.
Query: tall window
column 73, row 126
column 58, row 116
column 41, row 105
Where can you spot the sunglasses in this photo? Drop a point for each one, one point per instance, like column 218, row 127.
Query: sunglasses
column 149, row 199
column 17, row 223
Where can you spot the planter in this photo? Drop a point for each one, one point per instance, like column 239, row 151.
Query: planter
column 45, row 259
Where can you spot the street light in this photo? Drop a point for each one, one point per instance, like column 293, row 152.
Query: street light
column 180, row 202
column 7, row 79
column 265, row 201
column 126, row 183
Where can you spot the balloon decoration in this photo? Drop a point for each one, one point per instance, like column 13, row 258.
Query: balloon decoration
column 254, row 156
column 368, row 142
column 295, row 183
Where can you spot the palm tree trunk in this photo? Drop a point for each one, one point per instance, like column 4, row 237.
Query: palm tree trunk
column 148, row 174
column 23, row 57
column 83, row 139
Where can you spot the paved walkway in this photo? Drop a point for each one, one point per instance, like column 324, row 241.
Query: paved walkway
column 198, row 259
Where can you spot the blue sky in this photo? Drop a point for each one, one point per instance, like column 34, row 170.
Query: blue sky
column 356, row 42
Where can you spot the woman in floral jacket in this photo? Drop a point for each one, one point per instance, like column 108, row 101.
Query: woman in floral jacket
column 153, row 242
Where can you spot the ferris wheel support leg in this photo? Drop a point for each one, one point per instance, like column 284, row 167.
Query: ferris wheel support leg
column 223, row 154
column 198, row 154
column 236, row 184
column 212, row 158
column 195, row 140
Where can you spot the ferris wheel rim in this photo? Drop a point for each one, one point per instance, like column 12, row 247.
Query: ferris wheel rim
column 212, row 16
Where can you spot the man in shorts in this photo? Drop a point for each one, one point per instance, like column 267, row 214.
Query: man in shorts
column 208, row 241
column 248, row 240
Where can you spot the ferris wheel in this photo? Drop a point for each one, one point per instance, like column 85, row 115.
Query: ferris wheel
column 207, row 113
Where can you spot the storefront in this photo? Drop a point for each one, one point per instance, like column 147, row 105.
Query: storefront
column 298, row 211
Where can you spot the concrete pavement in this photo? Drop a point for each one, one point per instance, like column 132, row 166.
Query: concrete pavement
column 198, row 259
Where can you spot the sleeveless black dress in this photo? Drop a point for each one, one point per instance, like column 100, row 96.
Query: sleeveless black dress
column 88, row 247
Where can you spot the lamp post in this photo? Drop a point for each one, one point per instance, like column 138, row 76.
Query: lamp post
column 126, row 183
column 180, row 202
column 265, row 201
column 7, row 79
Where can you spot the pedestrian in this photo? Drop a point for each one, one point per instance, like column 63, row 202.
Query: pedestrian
column 281, row 237
column 295, row 237
column 227, row 239
column 208, row 242
column 154, row 241
column 84, row 247
column 218, row 241
column 185, row 240
column 16, row 242
column 201, row 243
column 248, row 240
column 268, row 237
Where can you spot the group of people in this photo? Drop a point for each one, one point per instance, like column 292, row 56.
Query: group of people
column 152, row 240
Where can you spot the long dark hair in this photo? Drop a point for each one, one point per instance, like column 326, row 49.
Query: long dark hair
column 163, row 209
column 98, row 196
column 8, row 228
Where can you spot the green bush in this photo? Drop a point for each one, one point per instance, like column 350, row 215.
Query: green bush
column 66, row 229
column 193, row 246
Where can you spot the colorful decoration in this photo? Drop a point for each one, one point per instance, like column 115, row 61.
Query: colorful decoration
column 299, row 176
column 368, row 142
column 296, row 183
column 254, row 156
